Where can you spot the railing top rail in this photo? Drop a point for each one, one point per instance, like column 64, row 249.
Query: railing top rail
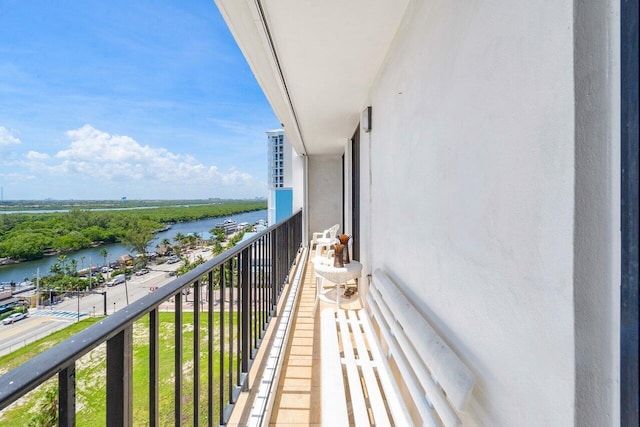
column 35, row 371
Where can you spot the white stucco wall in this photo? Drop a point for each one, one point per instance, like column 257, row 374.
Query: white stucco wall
column 472, row 194
column 324, row 192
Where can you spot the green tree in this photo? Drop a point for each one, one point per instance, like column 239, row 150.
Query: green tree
column 27, row 244
column 218, row 233
column 72, row 268
column 62, row 259
column 179, row 238
column 56, row 269
column 217, row 248
column 138, row 236
column 73, row 240
column 104, row 254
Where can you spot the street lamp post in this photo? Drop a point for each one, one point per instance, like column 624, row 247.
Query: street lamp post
column 37, row 289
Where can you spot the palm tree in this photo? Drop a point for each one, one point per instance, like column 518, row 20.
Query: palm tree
column 62, row 259
column 56, row 269
column 73, row 267
column 82, row 261
column 104, row 254
column 179, row 237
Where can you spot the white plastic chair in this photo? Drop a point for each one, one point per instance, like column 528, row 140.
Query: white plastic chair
column 320, row 258
column 327, row 237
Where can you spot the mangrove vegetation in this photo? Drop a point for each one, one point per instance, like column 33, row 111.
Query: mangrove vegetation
column 27, row 236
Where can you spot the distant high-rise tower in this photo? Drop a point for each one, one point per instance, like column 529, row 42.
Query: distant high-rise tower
column 280, row 196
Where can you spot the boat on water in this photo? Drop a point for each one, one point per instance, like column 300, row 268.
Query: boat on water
column 229, row 226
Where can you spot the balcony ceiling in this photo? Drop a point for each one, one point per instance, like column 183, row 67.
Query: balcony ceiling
column 315, row 60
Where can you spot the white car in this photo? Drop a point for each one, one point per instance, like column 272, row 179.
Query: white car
column 14, row 318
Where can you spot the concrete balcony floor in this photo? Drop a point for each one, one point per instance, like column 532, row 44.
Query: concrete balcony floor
column 298, row 397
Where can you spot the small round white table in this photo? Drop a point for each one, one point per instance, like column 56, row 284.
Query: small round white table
column 338, row 275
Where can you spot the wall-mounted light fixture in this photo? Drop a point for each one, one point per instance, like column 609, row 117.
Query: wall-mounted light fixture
column 365, row 119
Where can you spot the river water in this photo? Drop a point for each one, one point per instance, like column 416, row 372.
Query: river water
column 18, row 272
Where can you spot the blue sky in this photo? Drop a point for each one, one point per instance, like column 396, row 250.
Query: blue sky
column 143, row 99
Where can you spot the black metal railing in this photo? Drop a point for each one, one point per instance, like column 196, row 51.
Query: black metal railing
column 249, row 280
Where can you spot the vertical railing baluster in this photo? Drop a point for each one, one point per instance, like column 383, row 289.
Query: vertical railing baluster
column 232, row 291
column 196, row 353
column 120, row 378
column 263, row 290
column 246, row 314
column 67, row 396
column 279, row 256
column 154, row 367
column 274, row 270
column 256, row 297
column 222, row 346
column 267, row 265
column 178, row 360
column 268, row 269
column 210, row 351
column 252, row 290
column 284, row 248
column 287, row 229
column 255, row 294
column 239, row 319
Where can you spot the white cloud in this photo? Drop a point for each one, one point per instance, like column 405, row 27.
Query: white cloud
column 6, row 138
column 96, row 156
column 35, row 156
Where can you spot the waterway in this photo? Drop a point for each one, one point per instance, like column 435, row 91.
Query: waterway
column 18, row 272
column 38, row 211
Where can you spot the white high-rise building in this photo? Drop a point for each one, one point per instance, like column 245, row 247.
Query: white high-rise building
column 279, row 159
column 285, row 169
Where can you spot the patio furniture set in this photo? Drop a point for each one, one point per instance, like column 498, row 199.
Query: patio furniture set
column 391, row 364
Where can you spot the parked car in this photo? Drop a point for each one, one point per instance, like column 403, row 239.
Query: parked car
column 14, row 318
column 172, row 259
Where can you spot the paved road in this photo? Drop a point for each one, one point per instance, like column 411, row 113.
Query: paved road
column 47, row 320
column 25, row 331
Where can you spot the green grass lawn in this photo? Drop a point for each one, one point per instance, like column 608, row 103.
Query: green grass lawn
column 91, row 375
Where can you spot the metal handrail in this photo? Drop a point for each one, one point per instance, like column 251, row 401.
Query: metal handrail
column 285, row 236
